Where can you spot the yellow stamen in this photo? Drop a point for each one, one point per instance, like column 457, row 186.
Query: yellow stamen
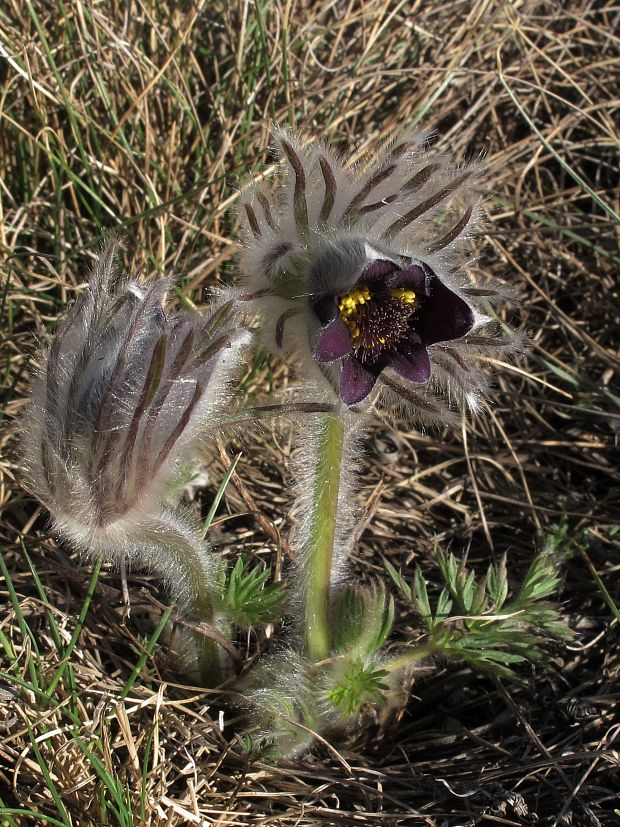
column 348, row 303
column 349, row 306
column 406, row 296
column 353, row 313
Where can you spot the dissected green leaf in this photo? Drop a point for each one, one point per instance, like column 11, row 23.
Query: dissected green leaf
column 444, row 606
column 398, row 579
column 247, row 598
column 465, row 591
column 487, row 629
column 540, row 581
column 362, row 620
column 385, row 627
column 420, row 598
column 479, row 602
column 497, row 584
column 357, row 684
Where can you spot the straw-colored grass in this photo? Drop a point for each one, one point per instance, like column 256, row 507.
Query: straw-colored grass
column 146, row 117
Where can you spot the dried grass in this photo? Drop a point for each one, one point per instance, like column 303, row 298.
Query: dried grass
column 145, row 117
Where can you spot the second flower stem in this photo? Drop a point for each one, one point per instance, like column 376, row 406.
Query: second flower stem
column 410, row 657
column 326, row 471
column 191, row 574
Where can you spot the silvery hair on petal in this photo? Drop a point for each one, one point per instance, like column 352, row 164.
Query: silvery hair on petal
column 120, row 401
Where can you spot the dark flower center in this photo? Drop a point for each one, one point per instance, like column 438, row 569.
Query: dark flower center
column 376, row 321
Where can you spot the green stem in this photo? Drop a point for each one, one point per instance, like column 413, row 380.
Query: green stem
column 322, row 534
column 410, row 658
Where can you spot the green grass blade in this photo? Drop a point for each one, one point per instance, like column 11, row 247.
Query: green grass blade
column 218, row 497
column 10, row 811
column 607, row 208
column 49, row 781
column 21, row 622
column 78, row 628
column 148, row 649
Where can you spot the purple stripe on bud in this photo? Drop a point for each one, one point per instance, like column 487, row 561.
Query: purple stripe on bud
column 427, row 205
column 262, row 200
column 209, row 352
column 330, row 188
column 252, row 220
column 151, row 384
column 369, row 186
column 271, row 258
column 279, row 336
column 299, row 197
column 180, row 427
column 450, row 351
column 417, row 181
column 410, row 395
column 378, row 204
column 453, row 233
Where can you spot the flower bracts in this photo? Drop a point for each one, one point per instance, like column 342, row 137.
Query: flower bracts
column 362, row 272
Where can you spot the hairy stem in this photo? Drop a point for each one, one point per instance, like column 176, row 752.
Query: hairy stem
column 190, row 571
column 271, row 411
column 326, row 471
column 410, row 658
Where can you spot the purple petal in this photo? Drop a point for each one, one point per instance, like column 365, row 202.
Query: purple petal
column 444, row 316
column 334, row 343
column 378, row 269
column 412, row 363
column 414, row 277
column 356, row 382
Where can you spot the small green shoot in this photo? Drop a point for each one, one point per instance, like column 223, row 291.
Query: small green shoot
column 247, row 598
column 358, row 685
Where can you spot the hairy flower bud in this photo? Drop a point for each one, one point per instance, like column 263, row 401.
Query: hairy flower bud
column 366, row 274
column 121, row 397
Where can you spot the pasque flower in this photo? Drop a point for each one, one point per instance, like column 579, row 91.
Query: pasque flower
column 119, row 402
column 387, row 320
column 366, row 271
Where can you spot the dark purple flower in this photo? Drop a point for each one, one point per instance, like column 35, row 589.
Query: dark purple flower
column 387, row 320
column 386, row 249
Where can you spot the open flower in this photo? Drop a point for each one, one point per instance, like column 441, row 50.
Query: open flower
column 387, row 320
column 118, row 404
column 366, row 273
